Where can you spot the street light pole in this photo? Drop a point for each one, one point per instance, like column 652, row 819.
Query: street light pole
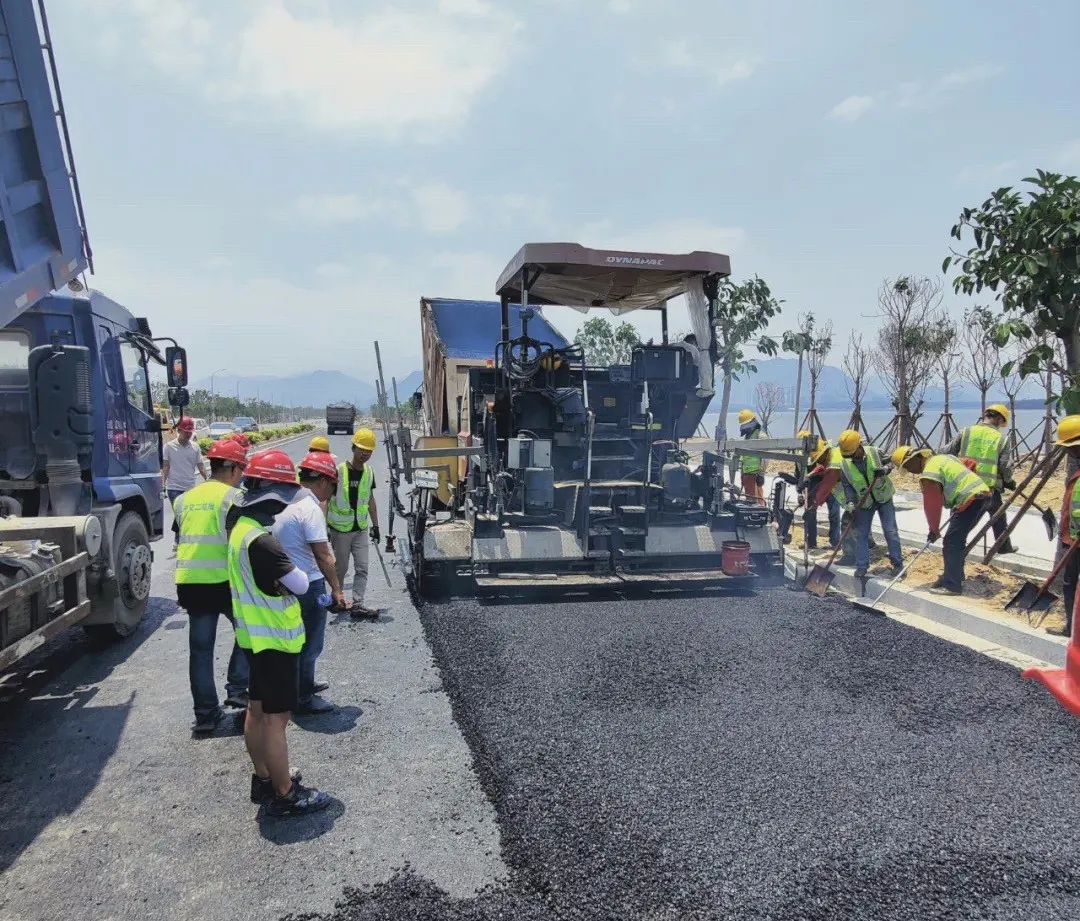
column 213, row 403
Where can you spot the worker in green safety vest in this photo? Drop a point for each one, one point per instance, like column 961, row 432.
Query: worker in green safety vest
column 1068, row 437
column 265, row 587
column 202, row 581
column 947, row 482
column 353, row 517
column 985, row 444
column 752, row 468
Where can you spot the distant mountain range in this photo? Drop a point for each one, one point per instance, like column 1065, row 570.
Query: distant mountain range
column 315, row 388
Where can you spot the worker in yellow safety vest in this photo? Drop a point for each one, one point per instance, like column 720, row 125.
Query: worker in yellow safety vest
column 985, row 444
column 202, row 581
column 752, row 468
column 1068, row 437
column 947, row 482
column 265, row 586
column 353, row 516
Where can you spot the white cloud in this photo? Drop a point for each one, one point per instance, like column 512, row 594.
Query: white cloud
column 722, row 67
column 988, row 173
column 852, row 108
column 329, row 210
column 439, row 207
column 391, row 73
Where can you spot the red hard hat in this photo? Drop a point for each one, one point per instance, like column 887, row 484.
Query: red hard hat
column 321, row 463
column 227, row 449
column 241, row 439
column 187, row 424
column 272, row 465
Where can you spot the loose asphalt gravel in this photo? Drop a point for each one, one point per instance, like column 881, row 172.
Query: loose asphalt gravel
column 774, row 757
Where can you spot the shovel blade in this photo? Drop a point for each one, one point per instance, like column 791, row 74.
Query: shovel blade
column 1050, row 521
column 1043, row 603
column 1028, row 598
column 819, row 580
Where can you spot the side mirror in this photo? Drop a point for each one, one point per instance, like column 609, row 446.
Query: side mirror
column 178, row 396
column 176, row 363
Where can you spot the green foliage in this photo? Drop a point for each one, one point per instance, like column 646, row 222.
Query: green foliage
column 605, row 344
column 1026, row 249
column 743, row 313
column 270, row 433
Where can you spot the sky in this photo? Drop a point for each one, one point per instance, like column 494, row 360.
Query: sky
column 276, row 183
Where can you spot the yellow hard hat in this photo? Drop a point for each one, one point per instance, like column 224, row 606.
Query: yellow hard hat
column 1068, row 432
column 804, row 433
column 1000, row 409
column 906, row 452
column 821, row 452
column 849, row 442
column 746, row 415
column 364, row 438
column 319, row 443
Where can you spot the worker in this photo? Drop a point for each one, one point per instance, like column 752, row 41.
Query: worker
column 752, row 468
column 985, row 444
column 865, row 488
column 319, row 443
column 301, row 531
column 820, row 458
column 1068, row 437
column 265, row 588
column 947, row 483
column 353, row 517
column 202, row 582
column 182, row 461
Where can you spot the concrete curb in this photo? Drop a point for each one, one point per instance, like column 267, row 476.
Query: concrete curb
column 956, row 614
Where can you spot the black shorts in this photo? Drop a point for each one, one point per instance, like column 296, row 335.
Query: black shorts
column 274, row 679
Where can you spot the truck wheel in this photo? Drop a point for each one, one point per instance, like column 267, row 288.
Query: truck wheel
column 132, row 562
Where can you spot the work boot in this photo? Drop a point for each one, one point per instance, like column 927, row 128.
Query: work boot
column 1008, row 548
column 238, row 701
column 207, row 723
column 944, row 590
column 897, row 568
column 262, row 790
column 359, row 612
column 315, row 705
column 300, row 800
column 320, row 686
column 860, row 573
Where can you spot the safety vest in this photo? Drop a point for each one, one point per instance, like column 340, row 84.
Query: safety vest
column 882, row 489
column 982, row 444
column 202, row 550
column 957, row 482
column 836, row 462
column 339, row 514
column 261, row 621
column 1074, row 511
column 749, row 464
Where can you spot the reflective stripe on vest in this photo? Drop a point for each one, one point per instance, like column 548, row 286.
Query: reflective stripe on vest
column 202, row 547
column 957, row 482
column 982, row 443
column 262, row 621
column 836, row 461
column 882, row 490
column 1074, row 511
column 339, row 514
column 750, row 464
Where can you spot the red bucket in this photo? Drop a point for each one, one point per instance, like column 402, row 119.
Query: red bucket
column 735, row 557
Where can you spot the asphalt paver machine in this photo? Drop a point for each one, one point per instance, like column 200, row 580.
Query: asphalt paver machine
column 565, row 475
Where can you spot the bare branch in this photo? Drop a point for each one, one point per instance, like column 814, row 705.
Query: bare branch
column 857, row 364
column 768, row 398
column 981, row 366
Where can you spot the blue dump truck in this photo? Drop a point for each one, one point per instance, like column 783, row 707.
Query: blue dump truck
column 80, row 445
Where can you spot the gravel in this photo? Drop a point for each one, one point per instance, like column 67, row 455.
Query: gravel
column 775, row 757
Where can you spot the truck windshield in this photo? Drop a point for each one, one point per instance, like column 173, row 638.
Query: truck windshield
column 14, row 354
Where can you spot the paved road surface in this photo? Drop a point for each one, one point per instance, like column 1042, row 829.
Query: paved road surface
column 665, row 758
column 112, row 811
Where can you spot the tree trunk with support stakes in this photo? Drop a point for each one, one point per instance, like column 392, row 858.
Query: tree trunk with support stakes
column 798, row 394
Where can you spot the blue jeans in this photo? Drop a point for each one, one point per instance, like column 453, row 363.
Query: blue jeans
column 172, row 495
column 314, row 615
column 202, row 634
column 864, row 518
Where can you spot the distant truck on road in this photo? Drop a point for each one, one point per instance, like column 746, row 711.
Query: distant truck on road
column 340, row 419
column 80, row 450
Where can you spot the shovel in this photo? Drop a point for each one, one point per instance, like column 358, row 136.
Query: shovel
column 1032, row 597
column 1049, row 520
column 872, row 606
column 820, row 577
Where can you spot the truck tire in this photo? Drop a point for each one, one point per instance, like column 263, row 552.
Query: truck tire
column 132, row 562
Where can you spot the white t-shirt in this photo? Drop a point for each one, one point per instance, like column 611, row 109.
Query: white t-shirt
column 300, row 525
column 183, row 463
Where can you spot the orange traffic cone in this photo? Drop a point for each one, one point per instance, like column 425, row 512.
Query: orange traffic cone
column 1064, row 683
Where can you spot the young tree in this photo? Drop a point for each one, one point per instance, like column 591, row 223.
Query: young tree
column 1011, row 382
column 981, row 365
column 908, row 344
column 743, row 312
column 768, row 398
column 820, row 346
column 857, row 364
column 605, row 344
column 1026, row 249
column 948, row 368
column 798, row 342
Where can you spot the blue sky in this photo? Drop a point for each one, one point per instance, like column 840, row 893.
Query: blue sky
column 277, row 183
